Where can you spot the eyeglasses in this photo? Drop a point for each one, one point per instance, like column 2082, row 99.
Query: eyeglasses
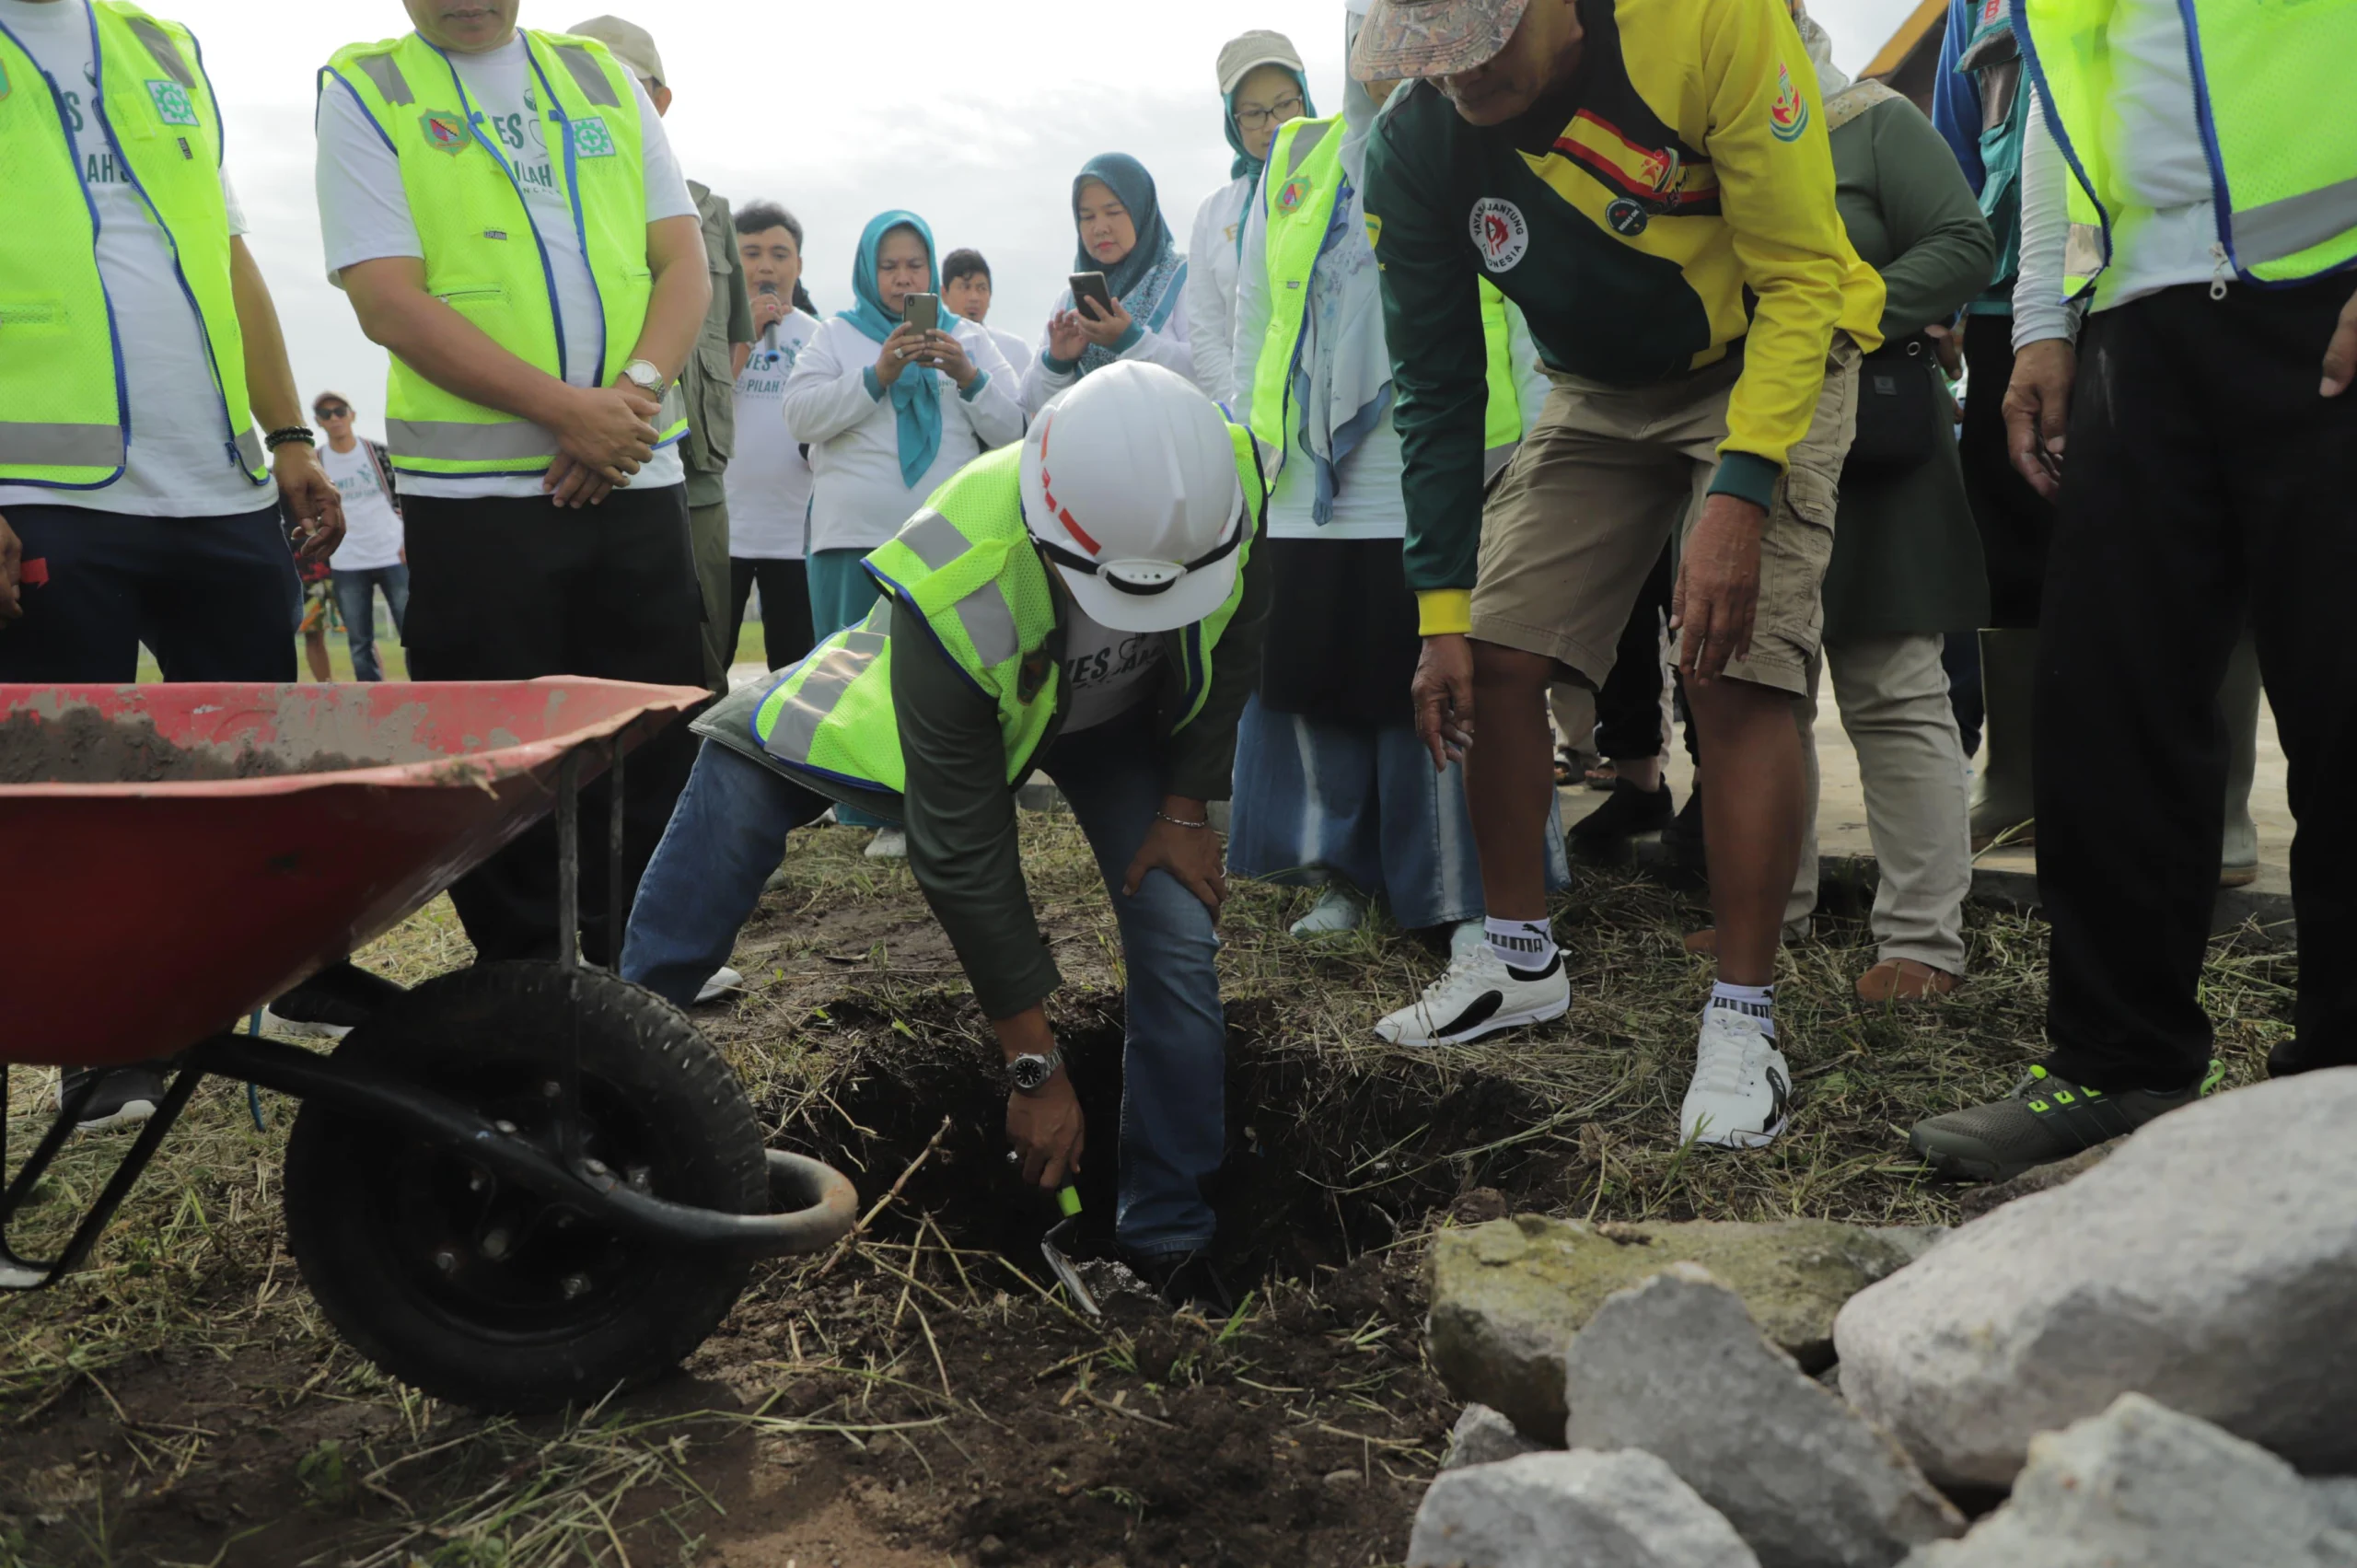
column 333, row 411
column 1285, row 108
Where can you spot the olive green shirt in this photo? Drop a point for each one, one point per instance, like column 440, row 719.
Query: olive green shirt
column 1906, row 555
column 708, row 381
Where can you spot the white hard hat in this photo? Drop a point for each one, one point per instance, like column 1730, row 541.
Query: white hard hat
column 1130, row 487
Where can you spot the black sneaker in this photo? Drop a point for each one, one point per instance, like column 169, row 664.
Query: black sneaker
column 1185, row 1281
column 2289, row 1057
column 2044, row 1120
column 1626, row 812
column 125, row 1096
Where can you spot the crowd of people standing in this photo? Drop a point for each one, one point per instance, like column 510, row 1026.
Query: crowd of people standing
column 1599, row 346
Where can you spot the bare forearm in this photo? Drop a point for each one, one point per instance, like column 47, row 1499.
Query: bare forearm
column 270, row 393
column 682, row 294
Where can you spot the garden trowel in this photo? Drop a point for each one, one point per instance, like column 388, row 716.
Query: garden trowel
column 1068, row 1200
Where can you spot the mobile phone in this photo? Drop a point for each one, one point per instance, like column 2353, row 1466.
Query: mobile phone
column 1091, row 286
column 923, row 311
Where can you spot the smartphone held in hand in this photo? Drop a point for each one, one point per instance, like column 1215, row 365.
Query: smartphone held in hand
column 923, row 311
column 1091, row 286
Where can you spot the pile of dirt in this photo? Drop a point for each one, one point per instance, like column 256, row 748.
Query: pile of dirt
column 82, row 746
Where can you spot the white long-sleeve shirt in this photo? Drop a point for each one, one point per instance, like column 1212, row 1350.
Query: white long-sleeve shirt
column 1172, row 348
column 2171, row 238
column 1211, row 286
column 857, row 498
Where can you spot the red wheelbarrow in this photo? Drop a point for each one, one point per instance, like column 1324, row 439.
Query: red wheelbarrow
column 516, row 1187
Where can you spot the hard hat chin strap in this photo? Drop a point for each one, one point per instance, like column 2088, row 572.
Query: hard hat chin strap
column 1144, row 578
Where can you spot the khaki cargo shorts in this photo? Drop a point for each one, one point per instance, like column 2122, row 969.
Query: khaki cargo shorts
column 1611, row 473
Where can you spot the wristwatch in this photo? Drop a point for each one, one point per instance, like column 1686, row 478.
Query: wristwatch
column 1029, row 1072
column 651, row 381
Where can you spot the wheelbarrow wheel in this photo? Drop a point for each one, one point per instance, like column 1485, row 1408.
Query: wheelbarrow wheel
column 475, row 1290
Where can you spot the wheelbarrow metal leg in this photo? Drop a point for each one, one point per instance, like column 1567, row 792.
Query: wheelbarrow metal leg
column 568, row 954
column 19, row 1274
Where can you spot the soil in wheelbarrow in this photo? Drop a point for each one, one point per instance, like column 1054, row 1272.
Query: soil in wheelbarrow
column 83, row 747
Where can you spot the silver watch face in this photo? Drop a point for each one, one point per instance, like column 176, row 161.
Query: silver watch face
column 1032, row 1072
column 645, row 375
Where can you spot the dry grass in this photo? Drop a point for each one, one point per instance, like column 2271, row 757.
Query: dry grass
column 1579, row 1118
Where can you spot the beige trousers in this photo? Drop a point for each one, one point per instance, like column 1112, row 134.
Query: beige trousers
column 1893, row 695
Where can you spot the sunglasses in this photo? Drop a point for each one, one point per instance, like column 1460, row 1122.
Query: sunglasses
column 333, row 411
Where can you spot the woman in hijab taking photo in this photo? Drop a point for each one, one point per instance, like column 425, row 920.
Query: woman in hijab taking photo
column 889, row 412
column 1122, row 236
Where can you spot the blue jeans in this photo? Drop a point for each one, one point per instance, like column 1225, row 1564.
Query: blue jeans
column 729, row 834
column 356, row 601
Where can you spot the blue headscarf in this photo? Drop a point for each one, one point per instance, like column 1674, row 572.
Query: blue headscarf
column 916, row 397
column 1246, row 166
column 1154, row 273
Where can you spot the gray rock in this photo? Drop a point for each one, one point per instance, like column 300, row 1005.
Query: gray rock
column 1624, row 1510
column 1482, row 1436
column 2143, row 1485
column 2337, row 1496
column 1507, row 1297
column 1677, row 1368
column 2210, row 1263
column 1976, row 1201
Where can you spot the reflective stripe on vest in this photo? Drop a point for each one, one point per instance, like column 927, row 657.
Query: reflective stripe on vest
column 965, row 564
column 485, row 257
column 2283, row 183
column 1299, row 194
column 65, row 409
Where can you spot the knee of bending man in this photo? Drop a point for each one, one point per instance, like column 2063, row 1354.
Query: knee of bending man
column 1500, row 669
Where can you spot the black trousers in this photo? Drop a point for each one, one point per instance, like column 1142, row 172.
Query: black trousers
column 1628, row 710
column 2204, row 473
column 786, row 634
column 2016, row 523
column 216, row 599
column 509, row 589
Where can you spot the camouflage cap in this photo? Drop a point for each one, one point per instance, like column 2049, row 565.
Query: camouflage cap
column 1432, row 37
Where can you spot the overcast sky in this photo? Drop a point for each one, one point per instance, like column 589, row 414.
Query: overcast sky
column 975, row 114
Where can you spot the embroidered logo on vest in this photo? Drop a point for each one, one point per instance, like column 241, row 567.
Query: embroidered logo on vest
column 444, row 132
column 591, row 139
column 172, row 106
column 1500, row 233
column 1290, row 198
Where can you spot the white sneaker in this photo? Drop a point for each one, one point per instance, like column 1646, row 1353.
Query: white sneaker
column 273, row 1024
column 724, row 980
column 1337, row 910
column 1478, row 995
column 889, row 843
column 1741, row 1090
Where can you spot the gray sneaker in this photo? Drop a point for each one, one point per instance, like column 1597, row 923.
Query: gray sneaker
column 2044, row 1120
column 125, row 1096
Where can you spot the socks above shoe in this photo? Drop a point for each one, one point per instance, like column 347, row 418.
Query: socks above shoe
column 1751, row 1000
column 1527, row 947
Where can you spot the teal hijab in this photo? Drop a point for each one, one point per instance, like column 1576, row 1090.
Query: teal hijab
column 916, row 396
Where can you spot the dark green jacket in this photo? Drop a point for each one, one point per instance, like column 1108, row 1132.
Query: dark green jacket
column 708, row 381
column 1906, row 556
column 959, row 809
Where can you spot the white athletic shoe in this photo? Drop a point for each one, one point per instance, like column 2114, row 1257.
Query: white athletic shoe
column 1337, row 910
column 889, row 843
column 1478, row 995
column 724, row 980
column 1741, row 1090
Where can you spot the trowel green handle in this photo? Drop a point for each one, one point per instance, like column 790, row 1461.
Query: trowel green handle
column 1068, row 1200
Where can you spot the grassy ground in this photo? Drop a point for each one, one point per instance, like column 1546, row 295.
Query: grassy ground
column 183, row 1400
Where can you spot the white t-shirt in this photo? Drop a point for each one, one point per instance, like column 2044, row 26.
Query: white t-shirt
column 1107, row 672
column 364, row 215
column 179, row 464
column 768, row 477
column 1016, row 349
column 372, row 530
column 1368, row 502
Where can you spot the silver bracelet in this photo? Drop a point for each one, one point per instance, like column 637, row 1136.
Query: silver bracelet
column 1178, row 822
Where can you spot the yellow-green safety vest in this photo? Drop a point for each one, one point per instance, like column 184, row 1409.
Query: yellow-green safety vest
column 966, row 564
column 484, row 256
column 1298, row 210
column 64, row 408
column 2282, row 168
